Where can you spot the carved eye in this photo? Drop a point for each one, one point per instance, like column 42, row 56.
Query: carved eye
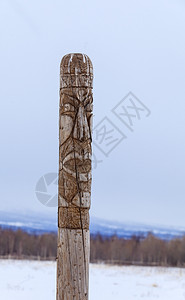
column 68, row 107
column 89, row 107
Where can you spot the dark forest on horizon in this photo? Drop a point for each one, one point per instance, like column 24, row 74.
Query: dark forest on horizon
column 114, row 250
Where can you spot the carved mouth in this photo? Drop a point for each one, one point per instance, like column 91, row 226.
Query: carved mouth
column 78, row 165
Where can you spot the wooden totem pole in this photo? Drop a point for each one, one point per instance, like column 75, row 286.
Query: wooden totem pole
column 76, row 79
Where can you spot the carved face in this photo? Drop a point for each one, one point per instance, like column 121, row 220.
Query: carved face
column 75, row 145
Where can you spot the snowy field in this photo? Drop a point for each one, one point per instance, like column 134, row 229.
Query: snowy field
column 37, row 280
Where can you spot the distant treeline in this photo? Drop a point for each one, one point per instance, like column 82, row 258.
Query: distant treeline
column 137, row 250
column 20, row 244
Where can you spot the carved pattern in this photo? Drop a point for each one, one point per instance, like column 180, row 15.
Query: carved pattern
column 75, row 128
column 73, row 218
column 75, row 81
column 74, row 197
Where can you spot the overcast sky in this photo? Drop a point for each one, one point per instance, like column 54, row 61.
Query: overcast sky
column 135, row 46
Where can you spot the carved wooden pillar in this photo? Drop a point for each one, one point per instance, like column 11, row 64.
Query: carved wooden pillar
column 76, row 79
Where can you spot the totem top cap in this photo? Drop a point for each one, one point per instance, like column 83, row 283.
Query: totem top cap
column 76, row 63
column 76, row 70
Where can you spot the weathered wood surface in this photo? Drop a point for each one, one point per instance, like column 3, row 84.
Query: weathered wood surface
column 75, row 129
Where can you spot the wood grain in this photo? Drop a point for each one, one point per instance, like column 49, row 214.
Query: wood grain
column 74, row 192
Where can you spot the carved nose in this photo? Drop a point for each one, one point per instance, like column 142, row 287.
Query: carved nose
column 81, row 128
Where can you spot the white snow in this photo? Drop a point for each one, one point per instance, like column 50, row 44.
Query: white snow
column 69, row 63
column 37, row 280
column 84, row 58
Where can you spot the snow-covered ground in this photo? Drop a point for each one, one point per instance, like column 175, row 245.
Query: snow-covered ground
column 37, row 280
